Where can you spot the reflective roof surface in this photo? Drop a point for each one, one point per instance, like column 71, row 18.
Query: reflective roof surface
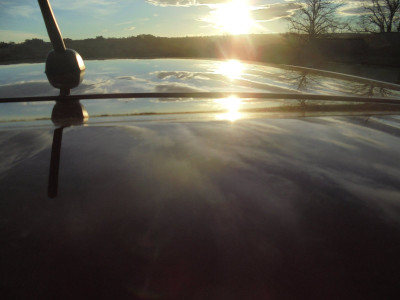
column 178, row 75
column 298, row 208
column 214, row 205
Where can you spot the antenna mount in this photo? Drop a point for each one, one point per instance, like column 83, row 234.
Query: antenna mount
column 64, row 67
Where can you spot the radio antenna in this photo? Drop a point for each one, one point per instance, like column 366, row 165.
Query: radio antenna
column 64, row 67
column 52, row 27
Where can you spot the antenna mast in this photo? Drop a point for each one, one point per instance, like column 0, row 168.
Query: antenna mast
column 64, row 67
column 52, row 27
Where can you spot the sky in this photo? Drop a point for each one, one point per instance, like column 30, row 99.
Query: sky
column 21, row 19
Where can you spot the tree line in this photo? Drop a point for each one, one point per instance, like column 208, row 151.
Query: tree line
column 317, row 34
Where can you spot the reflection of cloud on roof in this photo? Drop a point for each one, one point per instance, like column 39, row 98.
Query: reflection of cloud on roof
column 158, row 100
column 176, row 88
column 135, row 78
column 27, row 89
column 10, row 141
column 122, row 84
column 280, row 156
column 179, row 75
column 98, row 86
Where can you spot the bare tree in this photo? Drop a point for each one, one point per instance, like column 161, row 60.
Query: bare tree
column 316, row 18
column 381, row 16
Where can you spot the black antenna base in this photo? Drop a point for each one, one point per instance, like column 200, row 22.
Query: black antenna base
column 65, row 69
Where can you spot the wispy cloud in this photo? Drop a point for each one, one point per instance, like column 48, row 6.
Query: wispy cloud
column 185, row 2
column 77, row 4
column 274, row 11
column 259, row 12
column 18, row 10
column 99, row 7
column 125, row 23
column 352, row 8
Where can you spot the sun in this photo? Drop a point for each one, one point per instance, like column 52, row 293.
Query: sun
column 234, row 17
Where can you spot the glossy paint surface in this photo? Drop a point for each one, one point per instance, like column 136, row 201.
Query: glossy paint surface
column 223, row 204
column 177, row 75
column 285, row 208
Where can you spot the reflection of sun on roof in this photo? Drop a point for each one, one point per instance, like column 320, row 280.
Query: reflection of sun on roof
column 231, row 105
column 232, row 69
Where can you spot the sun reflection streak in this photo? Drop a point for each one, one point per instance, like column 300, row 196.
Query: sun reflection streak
column 231, row 105
column 232, row 69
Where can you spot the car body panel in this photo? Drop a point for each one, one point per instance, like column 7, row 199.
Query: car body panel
column 178, row 75
column 271, row 209
column 198, row 206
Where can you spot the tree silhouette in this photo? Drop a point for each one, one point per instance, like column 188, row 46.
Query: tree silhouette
column 382, row 16
column 316, row 18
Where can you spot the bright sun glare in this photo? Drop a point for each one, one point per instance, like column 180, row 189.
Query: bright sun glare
column 234, row 17
column 231, row 68
column 231, row 105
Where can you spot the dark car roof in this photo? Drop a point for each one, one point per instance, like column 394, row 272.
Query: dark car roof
column 196, row 206
column 264, row 208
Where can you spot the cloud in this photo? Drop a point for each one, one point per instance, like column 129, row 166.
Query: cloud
column 131, row 28
column 98, row 7
column 258, row 13
column 77, row 4
column 18, row 10
column 354, row 8
column 125, row 23
column 185, row 2
column 274, row 11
